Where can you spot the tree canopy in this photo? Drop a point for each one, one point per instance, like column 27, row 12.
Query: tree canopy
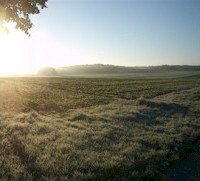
column 19, row 11
column 47, row 71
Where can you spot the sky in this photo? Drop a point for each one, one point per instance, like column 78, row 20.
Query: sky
column 119, row 32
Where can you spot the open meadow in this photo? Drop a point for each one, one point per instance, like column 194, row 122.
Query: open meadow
column 96, row 129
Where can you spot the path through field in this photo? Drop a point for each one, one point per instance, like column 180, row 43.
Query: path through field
column 188, row 169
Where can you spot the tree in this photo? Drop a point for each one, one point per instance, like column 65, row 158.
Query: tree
column 47, row 71
column 19, row 11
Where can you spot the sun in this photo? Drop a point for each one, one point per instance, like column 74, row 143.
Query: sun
column 6, row 53
column 11, row 51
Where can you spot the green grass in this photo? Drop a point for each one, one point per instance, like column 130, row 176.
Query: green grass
column 95, row 129
column 61, row 95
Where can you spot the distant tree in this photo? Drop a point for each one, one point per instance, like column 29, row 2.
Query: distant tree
column 18, row 11
column 47, row 71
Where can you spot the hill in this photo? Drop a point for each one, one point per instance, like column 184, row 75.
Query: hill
column 101, row 70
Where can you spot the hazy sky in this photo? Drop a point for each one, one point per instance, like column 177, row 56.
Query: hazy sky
column 120, row 32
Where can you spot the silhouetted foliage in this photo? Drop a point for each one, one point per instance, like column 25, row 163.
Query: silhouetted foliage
column 19, row 11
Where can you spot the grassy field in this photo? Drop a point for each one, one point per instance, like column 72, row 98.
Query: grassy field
column 95, row 129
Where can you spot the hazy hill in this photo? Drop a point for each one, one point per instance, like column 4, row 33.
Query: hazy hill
column 113, row 69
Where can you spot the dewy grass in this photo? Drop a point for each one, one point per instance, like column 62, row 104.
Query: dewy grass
column 94, row 129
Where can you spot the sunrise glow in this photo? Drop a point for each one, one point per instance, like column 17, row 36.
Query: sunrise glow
column 130, row 33
column 7, row 54
column 21, row 54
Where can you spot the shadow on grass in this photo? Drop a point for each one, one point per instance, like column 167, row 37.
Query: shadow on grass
column 158, row 110
column 26, row 159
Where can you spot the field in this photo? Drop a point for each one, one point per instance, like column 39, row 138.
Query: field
column 96, row 129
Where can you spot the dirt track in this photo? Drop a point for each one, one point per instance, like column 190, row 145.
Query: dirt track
column 188, row 169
